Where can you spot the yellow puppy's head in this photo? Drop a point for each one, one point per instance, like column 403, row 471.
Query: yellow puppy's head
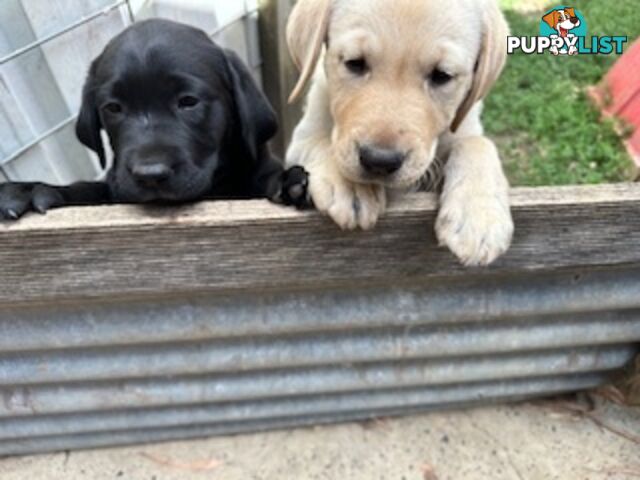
column 400, row 74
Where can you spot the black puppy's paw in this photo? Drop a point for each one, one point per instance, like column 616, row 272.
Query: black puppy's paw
column 294, row 188
column 16, row 199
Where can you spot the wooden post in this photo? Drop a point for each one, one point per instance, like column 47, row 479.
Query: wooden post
column 278, row 72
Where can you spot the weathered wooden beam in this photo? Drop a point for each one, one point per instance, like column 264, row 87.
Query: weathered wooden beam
column 124, row 251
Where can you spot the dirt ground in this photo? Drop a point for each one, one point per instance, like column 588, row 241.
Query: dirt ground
column 532, row 441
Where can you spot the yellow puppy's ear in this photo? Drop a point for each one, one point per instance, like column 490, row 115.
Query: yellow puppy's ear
column 491, row 61
column 571, row 12
column 307, row 31
column 552, row 18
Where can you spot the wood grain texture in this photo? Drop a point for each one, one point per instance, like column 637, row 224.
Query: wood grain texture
column 122, row 251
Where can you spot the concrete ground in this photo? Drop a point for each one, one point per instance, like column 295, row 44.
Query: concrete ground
column 533, row 441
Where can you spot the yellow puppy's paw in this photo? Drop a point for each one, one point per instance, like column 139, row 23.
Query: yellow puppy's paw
column 477, row 228
column 349, row 204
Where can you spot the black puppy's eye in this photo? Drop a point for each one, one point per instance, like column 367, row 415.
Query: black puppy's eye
column 113, row 108
column 357, row 66
column 440, row 77
column 187, row 101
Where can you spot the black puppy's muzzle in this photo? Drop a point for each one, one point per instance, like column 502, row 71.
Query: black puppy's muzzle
column 152, row 166
column 151, row 173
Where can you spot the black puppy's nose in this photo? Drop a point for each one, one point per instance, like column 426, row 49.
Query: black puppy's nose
column 381, row 161
column 151, row 172
column 575, row 20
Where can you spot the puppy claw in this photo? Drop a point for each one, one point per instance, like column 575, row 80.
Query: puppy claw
column 40, row 209
column 45, row 198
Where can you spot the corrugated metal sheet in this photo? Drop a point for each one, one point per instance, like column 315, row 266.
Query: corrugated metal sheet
column 123, row 428
column 108, row 374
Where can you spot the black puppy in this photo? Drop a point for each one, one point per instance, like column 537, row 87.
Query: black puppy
column 185, row 121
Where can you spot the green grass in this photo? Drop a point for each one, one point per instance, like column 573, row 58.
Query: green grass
column 546, row 128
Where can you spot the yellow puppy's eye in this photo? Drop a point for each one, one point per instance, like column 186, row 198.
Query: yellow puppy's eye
column 357, row 66
column 439, row 77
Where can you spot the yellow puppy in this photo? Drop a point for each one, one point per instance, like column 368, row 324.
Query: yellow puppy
column 395, row 102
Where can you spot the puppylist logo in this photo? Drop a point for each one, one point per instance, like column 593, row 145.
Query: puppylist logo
column 563, row 31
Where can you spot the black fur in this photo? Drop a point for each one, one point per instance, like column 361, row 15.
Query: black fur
column 185, row 121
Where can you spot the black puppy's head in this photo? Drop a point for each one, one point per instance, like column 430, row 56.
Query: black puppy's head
column 175, row 107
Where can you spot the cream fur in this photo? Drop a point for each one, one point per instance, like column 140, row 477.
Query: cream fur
column 394, row 104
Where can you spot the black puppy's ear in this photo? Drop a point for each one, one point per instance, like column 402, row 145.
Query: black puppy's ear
column 88, row 125
column 258, row 121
